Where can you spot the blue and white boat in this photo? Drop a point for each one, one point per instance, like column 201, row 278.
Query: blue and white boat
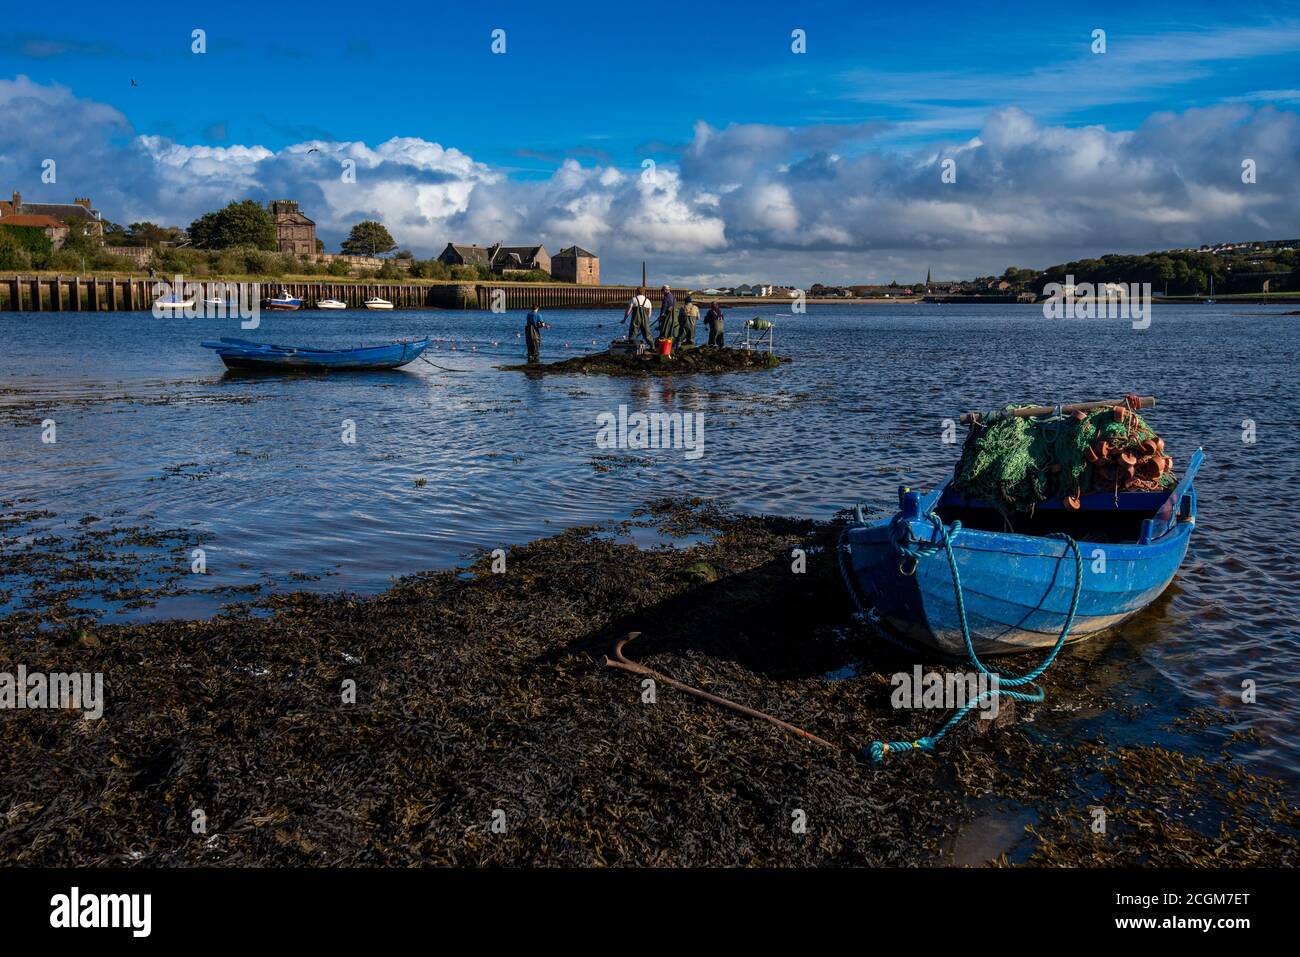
column 282, row 300
column 244, row 354
column 1015, row 590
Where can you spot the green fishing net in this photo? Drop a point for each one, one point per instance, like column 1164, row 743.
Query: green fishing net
column 1016, row 462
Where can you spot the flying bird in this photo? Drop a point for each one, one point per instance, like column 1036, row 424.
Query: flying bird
column 133, row 83
column 313, row 150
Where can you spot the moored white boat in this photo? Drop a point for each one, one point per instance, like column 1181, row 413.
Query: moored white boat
column 331, row 304
column 170, row 305
column 375, row 302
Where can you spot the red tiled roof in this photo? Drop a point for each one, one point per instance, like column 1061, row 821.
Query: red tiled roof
column 44, row 222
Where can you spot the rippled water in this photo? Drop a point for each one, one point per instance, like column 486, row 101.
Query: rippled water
column 152, row 429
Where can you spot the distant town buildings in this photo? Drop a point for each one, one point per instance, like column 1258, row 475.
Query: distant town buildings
column 574, row 264
column 1221, row 249
column 294, row 232
column 78, row 212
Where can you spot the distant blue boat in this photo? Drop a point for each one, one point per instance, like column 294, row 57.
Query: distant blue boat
column 1017, row 586
column 243, row 354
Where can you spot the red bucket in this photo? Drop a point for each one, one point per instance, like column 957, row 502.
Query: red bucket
column 665, row 347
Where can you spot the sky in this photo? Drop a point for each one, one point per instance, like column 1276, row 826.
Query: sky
column 758, row 142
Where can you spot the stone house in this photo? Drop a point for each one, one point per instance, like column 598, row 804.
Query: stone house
column 461, row 255
column 574, row 264
column 55, row 231
column 507, row 259
column 79, row 211
column 294, row 233
column 498, row 258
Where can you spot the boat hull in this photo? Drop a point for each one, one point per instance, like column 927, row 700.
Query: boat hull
column 1016, row 589
column 246, row 356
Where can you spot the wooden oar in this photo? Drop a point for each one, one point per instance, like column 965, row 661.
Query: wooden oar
column 1034, row 411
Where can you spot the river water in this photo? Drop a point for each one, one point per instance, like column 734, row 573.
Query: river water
column 151, row 430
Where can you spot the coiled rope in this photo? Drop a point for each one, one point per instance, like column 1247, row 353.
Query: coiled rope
column 914, row 549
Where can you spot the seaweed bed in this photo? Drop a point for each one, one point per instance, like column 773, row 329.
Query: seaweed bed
column 480, row 692
column 702, row 359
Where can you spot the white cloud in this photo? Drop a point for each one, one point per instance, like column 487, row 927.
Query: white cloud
column 744, row 202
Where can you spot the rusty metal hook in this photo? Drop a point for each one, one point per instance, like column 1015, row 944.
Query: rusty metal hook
column 622, row 663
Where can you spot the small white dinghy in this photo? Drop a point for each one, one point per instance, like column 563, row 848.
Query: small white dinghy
column 171, row 306
column 374, row 302
column 331, row 304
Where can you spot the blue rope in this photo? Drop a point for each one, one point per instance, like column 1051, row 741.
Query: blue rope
column 915, row 549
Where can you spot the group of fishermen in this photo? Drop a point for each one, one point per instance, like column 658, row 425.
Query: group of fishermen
column 677, row 324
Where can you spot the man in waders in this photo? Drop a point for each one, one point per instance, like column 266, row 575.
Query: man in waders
column 690, row 315
column 533, row 327
column 713, row 319
column 639, row 310
column 668, row 315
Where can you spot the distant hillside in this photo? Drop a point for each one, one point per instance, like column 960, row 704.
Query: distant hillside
column 1236, row 268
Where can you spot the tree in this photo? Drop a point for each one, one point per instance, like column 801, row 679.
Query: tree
column 81, row 240
column 139, row 234
column 150, row 234
column 114, row 235
column 238, row 224
column 203, row 231
column 368, row 238
column 12, row 253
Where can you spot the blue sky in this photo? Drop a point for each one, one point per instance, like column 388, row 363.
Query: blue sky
column 882, row 91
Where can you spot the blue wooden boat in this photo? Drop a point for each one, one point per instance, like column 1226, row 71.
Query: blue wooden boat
column 1017, row 586
column 244, row 354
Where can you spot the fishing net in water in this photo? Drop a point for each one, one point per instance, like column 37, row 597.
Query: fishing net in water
column 1016, row 462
